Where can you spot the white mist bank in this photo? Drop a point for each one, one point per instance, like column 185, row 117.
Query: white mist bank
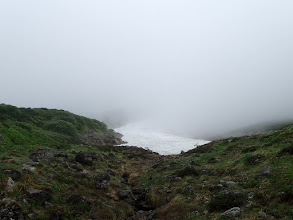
column 156, row 141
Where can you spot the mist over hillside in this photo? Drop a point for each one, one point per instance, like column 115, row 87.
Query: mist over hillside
column 201, row 69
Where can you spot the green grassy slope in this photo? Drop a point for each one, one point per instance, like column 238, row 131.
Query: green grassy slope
column 44, row 126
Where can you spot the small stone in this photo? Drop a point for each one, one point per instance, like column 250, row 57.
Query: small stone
column 10, row 184
column 48, row 205
column 123, row 194
column 227, row 183
column 262, row 214
column 250, row 195
column 232, row 213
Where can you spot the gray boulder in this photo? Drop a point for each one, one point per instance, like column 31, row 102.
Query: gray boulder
column 231, row 213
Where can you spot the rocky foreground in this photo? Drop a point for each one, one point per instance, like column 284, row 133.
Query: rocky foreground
column 236, row 178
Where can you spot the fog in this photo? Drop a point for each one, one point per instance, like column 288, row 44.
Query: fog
column 196, row 68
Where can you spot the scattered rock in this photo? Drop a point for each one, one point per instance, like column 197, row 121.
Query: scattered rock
column 265, row 172
column 10, row 185
column 232, row 213
column 194, row 163
column 227, row 183
column 140, row 196
column 110, row 172
column 39, row 195
column 84, row 173
column 22, row 199
column 173, row 178
column 125, row 177
column 54, row 216
column 252, row 160
column 227, row 199
column 203, row 172
column 123, row 194
column 144, row 215
column 10, row 210
column 214, row 160
column 189, row 189
column 46, row 154
column 48, row 205
column 250, row 195
column 213, row 188
column 111, row 155
column 61, row 154
column 75, row 198
column 14, row 174
column 262, row 214
column 103, row 181
column 84, row 159
column 2, row 195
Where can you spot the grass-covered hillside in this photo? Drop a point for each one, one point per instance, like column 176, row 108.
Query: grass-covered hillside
column 50, row 126
column 48, row 173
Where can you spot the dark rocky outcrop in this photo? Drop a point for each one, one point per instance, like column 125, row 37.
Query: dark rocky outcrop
column 123, row 194
column 45, row 154
column 10, row 210
column 84, row 158
column 1, row 138
column 39, row 195
column 92, row 137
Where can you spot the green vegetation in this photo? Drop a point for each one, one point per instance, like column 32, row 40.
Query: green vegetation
column 45, row 127
column 42, row 150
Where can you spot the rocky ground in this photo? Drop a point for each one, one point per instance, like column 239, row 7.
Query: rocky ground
column 246, row 177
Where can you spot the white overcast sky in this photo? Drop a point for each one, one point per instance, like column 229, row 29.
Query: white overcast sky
column 205, row 65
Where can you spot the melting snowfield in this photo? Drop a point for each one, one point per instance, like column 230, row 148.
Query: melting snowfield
column 162, row 143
